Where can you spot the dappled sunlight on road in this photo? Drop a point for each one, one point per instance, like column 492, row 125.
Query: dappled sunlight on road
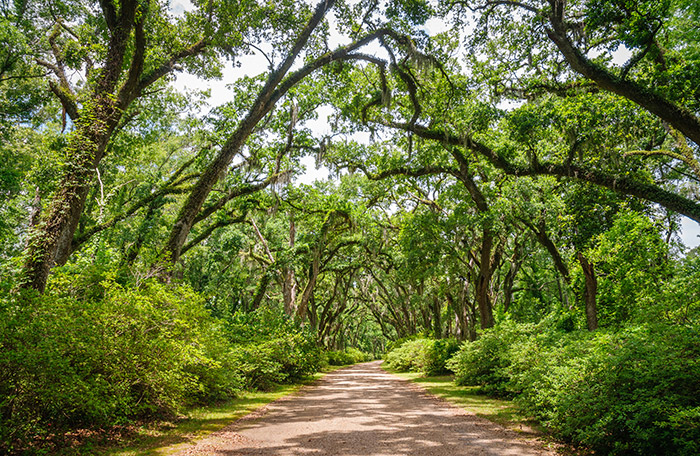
column 365, row 411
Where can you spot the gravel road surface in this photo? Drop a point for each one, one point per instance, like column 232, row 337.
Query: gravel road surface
column 364, row 411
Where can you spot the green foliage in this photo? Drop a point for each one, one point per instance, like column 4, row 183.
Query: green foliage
column 68, row 362
column 427, row 356
column 629, row 392
column 269, row 348
column 485, row 361
column 636, row 22
column 348, row 356
column 439, row 352
column 632, row 265
column 92, row 353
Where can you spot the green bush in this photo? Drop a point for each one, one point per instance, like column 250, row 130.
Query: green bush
column 634, row 391
column 339, row 358
column 485, row 361
column 407, row 356
column 439, row 352
column 348, row 356
column 67, row 363
column 71, row 360
column 269, row 348
column 427, row 356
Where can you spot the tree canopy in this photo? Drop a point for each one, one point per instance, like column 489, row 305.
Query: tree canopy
column 491, row 162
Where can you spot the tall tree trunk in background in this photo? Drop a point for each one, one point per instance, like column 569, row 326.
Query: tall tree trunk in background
column 483, row 282
column 459, row 315
column 540, row 231
column 486, row 263
column 314, row 269
column 508, row 286
column 289, row 284
column 437, row 318
column 589, row 293
column 312, row 314
column 515, row 263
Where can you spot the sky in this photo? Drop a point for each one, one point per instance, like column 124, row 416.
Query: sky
column 255, row 64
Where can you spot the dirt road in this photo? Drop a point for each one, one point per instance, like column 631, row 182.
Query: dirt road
column 364, row 411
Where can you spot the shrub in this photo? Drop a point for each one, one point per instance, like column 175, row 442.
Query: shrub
column 348, row 356
column 269, row 348
column 359, row 356
column 427, row 356
column 485, row 361
column 67, row 363
column 114, row 354
column 439, row 352
column 634, row 391
column 338, row 358
column 408, row 356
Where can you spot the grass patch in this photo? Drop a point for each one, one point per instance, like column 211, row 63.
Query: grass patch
column 500, row 411
column 162, row 438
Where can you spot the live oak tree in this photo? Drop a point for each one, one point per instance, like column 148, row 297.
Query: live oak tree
column 310, row 41
column 98, row 59
column 122, row 51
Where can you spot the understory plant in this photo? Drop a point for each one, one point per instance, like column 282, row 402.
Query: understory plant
column 628, row 392
column 427, row 356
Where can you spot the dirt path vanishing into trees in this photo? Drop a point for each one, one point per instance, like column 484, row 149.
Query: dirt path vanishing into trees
column 364, row 411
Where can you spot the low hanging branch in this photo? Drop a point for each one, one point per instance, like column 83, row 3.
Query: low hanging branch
column 204, row 235
column 621, row 184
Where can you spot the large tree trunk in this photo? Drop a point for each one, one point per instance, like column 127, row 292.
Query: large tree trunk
column 486, row 266
column 51, row 241
column 95, row 121
column 260, row 291
column 590, row 291
column 314, row 270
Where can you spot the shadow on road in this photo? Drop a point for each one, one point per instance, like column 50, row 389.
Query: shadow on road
column 364, row 411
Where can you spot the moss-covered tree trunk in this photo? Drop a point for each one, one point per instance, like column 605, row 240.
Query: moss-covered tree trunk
column 119, row 81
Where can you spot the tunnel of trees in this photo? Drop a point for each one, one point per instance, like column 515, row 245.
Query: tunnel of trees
column 511, row 175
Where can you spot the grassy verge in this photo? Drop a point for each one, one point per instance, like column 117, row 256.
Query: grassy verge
column 500, row 411
column 162, row 438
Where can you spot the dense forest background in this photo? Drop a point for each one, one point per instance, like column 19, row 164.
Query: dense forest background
column 505, row 203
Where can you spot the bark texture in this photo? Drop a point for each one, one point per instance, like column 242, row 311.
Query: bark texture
column 95, row 122
column 590, row 292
